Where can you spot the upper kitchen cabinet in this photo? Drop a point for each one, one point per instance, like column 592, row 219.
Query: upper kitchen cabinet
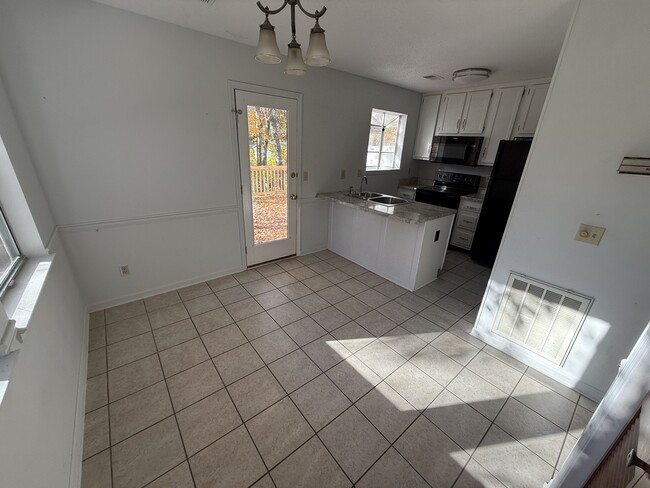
column 426, row 126
column 530, row 110
column 501, row 120
column 450, row 116
column 463, row 113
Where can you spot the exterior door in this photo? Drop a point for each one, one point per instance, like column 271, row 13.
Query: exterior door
column 267, row 139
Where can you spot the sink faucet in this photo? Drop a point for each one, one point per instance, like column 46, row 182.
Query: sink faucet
column 365, row 178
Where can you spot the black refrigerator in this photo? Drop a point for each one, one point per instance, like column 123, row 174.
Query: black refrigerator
column 502, row 187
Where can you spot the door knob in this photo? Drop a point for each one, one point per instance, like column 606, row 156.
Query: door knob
column 634, row 460
column 294, row 174
column 294, row 197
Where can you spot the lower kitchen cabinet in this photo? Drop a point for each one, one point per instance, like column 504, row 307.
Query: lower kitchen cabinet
column 466, row 220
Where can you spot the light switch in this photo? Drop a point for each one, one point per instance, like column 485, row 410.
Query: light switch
column 589, row 234
column 305, row 176
column 342, row 174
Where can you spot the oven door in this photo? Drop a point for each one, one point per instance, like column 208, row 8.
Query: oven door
column 456, row 150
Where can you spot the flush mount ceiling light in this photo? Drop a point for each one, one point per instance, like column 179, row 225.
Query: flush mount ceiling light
column 267, row 46
column 470, row 75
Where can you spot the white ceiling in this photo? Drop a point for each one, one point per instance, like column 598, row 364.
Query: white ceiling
column 397, row 41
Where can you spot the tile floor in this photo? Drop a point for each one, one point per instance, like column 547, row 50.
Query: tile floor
column 315, row 372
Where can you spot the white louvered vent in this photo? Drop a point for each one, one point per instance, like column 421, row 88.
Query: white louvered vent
column 540, row 317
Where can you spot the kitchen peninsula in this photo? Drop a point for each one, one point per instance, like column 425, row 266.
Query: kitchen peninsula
column 405, row 244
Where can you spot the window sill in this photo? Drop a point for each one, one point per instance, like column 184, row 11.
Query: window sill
column 383, row 171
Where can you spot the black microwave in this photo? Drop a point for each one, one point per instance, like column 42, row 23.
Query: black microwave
column 456, row 150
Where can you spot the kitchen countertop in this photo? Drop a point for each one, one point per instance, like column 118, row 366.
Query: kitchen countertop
column 413, row 213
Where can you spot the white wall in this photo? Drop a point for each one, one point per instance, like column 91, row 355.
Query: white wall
column 597, row 112
column 129, row 117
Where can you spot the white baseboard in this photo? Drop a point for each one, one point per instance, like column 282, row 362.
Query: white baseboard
column 304, row 252
column 161, row 289
column 80, row 413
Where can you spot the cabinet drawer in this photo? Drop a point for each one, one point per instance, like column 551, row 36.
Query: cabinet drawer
column 467, row 220
column 462, row 238
column 470, row 206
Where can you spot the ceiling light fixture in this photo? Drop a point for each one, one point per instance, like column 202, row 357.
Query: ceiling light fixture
column 267, row 46
column 471, row 75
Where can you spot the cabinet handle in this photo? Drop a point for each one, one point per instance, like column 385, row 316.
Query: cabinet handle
column 464, row 123
column 458, row 125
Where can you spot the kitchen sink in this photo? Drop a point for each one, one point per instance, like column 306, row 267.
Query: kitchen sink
column 388, row 200
column 367, row 195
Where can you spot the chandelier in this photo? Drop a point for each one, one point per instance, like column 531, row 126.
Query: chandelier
column 267, row 46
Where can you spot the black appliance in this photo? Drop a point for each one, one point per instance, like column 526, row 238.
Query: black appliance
column 456, row 150
column 499, row 197
column 447, row 189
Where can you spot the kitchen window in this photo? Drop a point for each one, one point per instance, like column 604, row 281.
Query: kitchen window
column 10, row 256
column 385, row 141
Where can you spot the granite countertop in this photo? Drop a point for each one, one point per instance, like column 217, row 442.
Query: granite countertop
column 413, row 213
column 476, row 197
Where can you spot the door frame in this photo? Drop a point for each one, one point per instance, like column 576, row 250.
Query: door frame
column 233, row 85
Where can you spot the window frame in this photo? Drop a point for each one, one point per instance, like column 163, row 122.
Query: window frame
column 10, row 243
column 399, row 143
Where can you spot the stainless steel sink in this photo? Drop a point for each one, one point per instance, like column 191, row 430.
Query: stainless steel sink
column 367, row 195
column 388, row 200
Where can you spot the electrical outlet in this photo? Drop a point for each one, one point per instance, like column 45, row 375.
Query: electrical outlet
column 305, row 176
column 589, row 234
column 342, row 174
column 124, row 270
column 360, row 173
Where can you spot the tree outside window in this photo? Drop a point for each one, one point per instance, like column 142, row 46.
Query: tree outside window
column 385, row 141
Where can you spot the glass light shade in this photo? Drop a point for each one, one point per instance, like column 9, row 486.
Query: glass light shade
column 295, row 64
column 317, row 52
column 267, row 46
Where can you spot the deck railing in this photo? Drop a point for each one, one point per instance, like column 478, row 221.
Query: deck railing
column 268, row 179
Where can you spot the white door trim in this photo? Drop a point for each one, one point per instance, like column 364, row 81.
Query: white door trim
column 233, row 85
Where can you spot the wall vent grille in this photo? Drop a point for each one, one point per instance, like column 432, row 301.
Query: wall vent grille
column 434, row 77
column 540, row 317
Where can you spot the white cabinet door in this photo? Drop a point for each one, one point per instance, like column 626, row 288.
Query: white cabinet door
column 531, row 109
column 476, row 108
column 501, row 120
column 451, row 113
column 426, row 126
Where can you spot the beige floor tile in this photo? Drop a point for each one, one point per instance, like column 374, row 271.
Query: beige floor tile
column 193, row 384
column 478, row 393
column 130, row 350
column 321, row 267
column 458, row 420
column 213, row 320
column 139, row 411
column 330, row 318
column 281, row 279
column 237, row 363
column 443, row 285
column 179, row 477
column 372, row 298
column 531, row 429
column 168, row 315
column 278, row 431
column 392, row 471
column 207, row 420
column 308, row 467
column 96, row 362
column 258, row 287
column 232, row 295
column 320, row 401
column 247, row 276
column 466, row 296
column 202, row 304
column 194, row 291
column 182, row 357
column 96, row 392
column 461, row 329
column 544, row 401
column 353, row 308
column 439, row 316
column 312, row 303
column 403, row 342
column 96, row 434
column 271, row 299
column 387, row 411
column 553, row 385
column 174, row 334
column 371, row 279
column 285, row 314
column 96, row 338
column 499, row 453
column 424, row 329
column 391, row 290
column 504, row 358
column 294, row 370
column 294, row 291
column 223, row 340
column 269, row 270
column 317, row 283
column 353, row 336
column 581, row 418
column 396, row 312
column 476, row 476
column 161, row 301
column 326, row 352
column 147, row 455
column 441, row 368
column 97, row 319
column 274, row 345
column 354, row 269
column 380, row 358
column 353, row 286
column 96, row 471
column 265, row 482
column 291, row 263
column 127, row 328
column 412, row 302
column 308, row 259
column 121, row 312
column 457, row 349
column 255, row 392
column 435, row 456
column 376, row 323
column 429, row 294
column 302, row 273
column 499, row 374
column 353, row 377
column 222, row 283
column 333, row 294
column 304, row 331
column 353, row 442
column 414, row 385
column 587, row 403
column 133, row 377
column 231, row 461
column 336, row 276
column 569, row 444
column 257, row 325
